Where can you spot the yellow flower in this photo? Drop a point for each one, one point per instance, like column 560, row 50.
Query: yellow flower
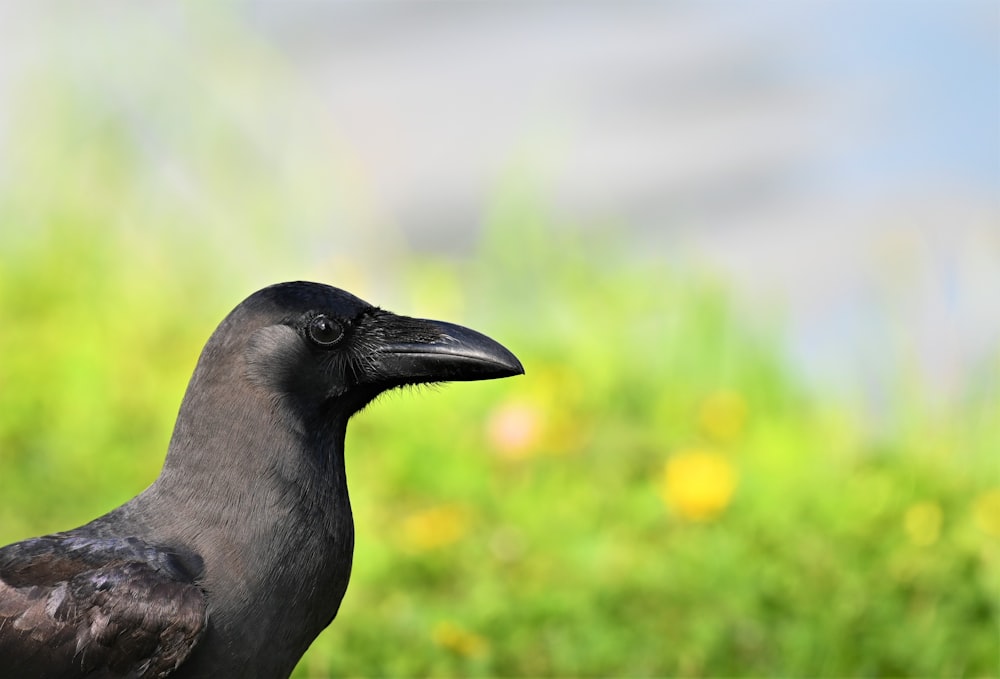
column 433, row 528
column 723, row 416
column 986, row 512
column 460, row 641
column 922, row 523
column 698, row 484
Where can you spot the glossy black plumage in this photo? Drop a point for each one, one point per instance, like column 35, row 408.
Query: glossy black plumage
column 239, row 553
column 89, row 606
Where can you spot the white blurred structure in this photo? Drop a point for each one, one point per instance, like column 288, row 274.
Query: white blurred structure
column 838, row 160
column 841, row 160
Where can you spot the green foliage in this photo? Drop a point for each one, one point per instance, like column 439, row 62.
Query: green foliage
column 527, row 527
column 842, row 552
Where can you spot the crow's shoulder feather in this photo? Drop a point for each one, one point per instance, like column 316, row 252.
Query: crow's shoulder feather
column 74, row 605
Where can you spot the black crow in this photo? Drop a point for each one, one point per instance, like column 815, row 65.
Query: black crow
column 239, row 553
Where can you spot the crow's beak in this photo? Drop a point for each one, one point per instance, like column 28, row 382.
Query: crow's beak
column 415, row 350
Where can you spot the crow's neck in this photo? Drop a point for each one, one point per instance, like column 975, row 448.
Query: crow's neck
column 240, row 451
column 260, row 492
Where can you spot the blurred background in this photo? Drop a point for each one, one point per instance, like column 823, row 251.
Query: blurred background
column 748, row 252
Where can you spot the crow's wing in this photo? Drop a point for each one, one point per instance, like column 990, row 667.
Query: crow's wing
column 78, row 606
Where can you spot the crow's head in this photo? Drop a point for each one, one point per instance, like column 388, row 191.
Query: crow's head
column 323, row 348
column 255, row 481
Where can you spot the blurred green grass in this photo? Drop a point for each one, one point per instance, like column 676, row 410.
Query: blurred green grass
column 661, row 494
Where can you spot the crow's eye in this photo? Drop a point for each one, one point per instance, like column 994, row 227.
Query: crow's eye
column 324, row 331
